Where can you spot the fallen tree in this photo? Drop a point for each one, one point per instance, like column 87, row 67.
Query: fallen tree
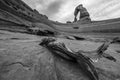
column 83, row 61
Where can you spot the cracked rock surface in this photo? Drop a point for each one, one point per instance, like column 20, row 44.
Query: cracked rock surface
column 22, row 58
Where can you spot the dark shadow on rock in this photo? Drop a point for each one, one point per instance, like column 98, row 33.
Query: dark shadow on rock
column 79, row 38
column 45, row 33
column 118, row 51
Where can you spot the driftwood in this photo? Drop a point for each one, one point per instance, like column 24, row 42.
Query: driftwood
column 60, row 49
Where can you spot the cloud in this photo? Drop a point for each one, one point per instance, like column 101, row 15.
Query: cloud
column 53, row 8
column 62, row 10
column 105, row 9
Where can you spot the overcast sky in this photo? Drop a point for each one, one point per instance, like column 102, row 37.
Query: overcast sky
column 62, row 10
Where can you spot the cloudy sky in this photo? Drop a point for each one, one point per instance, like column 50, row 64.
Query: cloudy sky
column 62, row 10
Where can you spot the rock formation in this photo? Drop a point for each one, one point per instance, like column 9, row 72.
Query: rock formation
column 22, row 58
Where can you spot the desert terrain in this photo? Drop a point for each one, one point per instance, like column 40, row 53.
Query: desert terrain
column 22, row 58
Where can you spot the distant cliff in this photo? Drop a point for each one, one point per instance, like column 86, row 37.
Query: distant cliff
column 16, row 11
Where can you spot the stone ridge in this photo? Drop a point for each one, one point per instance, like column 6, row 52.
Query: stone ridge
column 22, row 11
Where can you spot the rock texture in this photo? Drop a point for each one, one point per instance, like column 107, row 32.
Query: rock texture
column 22, row 58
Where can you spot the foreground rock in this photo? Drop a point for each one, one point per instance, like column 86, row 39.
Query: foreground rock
column 22, row 58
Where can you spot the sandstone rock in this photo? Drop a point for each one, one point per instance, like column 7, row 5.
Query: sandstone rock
column 21, row 58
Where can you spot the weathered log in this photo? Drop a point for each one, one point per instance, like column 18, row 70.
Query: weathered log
column 83, row 61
